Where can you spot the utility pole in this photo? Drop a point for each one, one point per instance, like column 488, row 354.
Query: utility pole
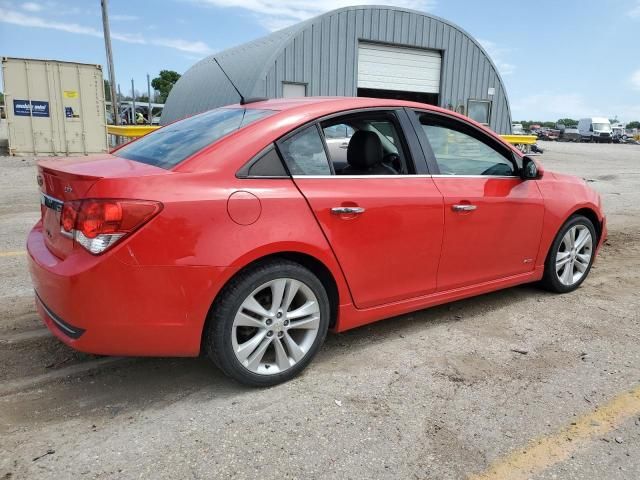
column 133, row 106
column 112, row 75
column 119, row 96
column 149, row 98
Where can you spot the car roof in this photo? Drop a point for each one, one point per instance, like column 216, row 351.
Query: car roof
column 335, row 103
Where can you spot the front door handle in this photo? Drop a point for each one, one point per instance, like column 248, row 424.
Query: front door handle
column 463, row 208
column 347, row 210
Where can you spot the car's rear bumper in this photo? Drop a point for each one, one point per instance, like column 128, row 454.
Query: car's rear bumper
column 105, row 306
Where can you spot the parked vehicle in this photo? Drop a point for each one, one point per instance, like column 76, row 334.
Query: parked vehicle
column 570, row 134
column 548, row 134
column 517, row 129
column 595, row 129
column 235, row 231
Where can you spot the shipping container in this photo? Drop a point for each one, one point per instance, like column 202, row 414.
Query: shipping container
column 53, row 107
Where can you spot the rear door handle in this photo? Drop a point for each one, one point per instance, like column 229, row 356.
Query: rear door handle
column 463, row 208
column 347, row 210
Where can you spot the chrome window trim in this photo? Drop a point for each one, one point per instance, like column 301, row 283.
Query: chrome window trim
column 498, row 177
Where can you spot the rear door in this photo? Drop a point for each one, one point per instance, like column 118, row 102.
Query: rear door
column 493, row 218
column 385, row 230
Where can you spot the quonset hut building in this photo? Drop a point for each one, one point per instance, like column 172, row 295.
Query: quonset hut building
column 368, row 51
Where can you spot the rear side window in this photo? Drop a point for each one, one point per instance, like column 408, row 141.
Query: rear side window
column 172, row 144
column 304, row 153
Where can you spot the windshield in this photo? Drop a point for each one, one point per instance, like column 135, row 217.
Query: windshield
column 172, row 144
column 601, row 127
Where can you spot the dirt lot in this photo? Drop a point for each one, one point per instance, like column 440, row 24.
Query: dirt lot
column 439, row 394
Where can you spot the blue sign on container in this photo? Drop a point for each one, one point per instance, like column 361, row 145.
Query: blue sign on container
column 26, row 108
column 39, row 108
column 22, row 108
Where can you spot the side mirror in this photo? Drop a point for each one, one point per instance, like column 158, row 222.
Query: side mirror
column 531, row 169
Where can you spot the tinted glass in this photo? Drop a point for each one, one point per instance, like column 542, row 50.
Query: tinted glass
column 172, row 144
column 304, row 153
column 460, row 154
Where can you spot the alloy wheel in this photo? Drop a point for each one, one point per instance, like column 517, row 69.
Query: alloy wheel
column 275, row 326
column 574, row 255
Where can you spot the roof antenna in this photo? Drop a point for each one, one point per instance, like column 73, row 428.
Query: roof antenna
column 243, row 101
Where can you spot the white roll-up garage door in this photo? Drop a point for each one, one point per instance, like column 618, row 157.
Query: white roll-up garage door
column 398, row 68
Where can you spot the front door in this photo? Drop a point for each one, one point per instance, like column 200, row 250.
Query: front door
column 385, row 227
column 493, row 219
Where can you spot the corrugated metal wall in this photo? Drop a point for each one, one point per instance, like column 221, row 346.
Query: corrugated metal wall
column 322, row 52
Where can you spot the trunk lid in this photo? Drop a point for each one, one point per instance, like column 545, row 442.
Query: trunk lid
column 62, row 180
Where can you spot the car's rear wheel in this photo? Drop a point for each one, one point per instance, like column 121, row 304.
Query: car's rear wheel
column 268, row 323
column 571, row 255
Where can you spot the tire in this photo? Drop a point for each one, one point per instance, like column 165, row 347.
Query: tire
column 235, row 321
column 560, row 279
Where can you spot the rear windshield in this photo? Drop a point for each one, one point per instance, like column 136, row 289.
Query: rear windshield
column 172, row 144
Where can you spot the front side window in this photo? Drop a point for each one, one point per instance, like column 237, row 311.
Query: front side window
column 172, row 144
column 459, row 153
column 304, row 153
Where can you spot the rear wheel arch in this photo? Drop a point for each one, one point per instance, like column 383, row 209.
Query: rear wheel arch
column 317, row 267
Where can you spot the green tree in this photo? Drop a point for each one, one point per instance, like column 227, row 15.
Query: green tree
column 165, row 82
column 634, row 124
column 568, row 122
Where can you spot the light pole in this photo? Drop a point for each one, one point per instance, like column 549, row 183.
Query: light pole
column 112, row 75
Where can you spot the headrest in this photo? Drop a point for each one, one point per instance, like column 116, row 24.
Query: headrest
column 365, row 150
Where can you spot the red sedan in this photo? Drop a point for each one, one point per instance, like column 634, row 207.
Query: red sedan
column 249, row 231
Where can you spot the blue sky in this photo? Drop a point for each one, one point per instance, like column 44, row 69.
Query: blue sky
column 558, row 58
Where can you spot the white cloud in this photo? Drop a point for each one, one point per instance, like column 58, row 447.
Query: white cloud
column 183, row 45
column 31, row 7
column 277, row 14
column 635, row 11
column 635, row 79
column 498, row 55
column 16, row 18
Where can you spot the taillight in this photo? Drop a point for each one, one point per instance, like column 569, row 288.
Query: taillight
column 98, row 224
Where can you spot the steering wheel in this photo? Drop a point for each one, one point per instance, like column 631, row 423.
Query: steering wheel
column 393, row 160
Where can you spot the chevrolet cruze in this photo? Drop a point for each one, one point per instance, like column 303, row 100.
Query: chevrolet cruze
column 247, row 232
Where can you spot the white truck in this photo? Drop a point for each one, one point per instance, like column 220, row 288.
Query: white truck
column 595, row 129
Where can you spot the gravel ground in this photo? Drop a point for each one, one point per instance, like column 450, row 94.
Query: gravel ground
column 438, row 394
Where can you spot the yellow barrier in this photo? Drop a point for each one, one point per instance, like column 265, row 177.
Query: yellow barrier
column 135, row 131
column 520, row 139
column 131, row 131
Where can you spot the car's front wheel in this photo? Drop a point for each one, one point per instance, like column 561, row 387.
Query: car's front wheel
column 268, row 323
column 571, row 255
